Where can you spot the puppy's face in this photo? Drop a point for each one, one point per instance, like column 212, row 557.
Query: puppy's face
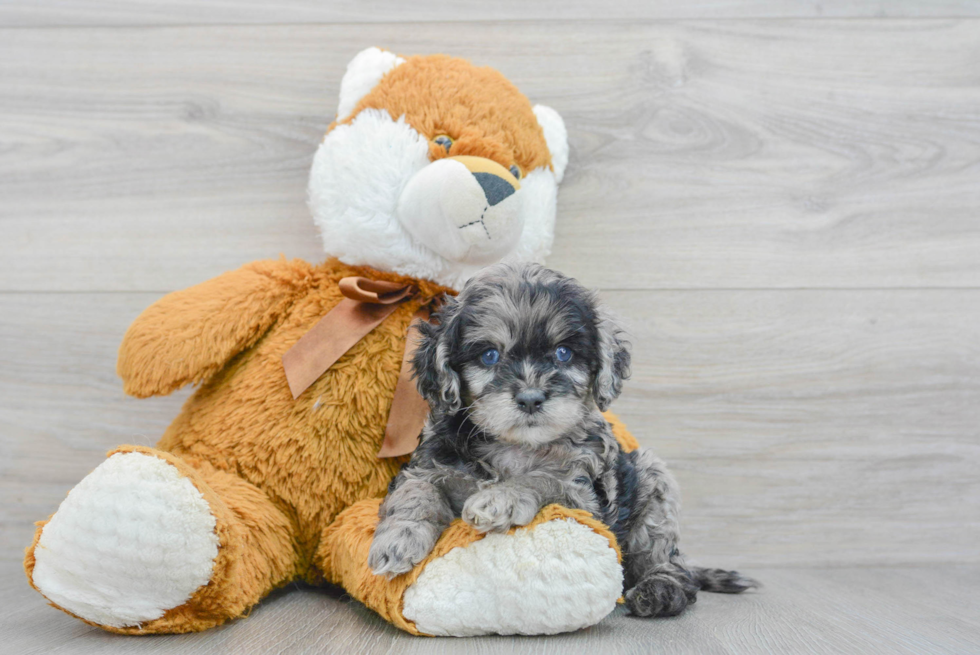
column 525, row 351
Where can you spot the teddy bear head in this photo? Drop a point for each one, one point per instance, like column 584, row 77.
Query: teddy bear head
column 436, row 168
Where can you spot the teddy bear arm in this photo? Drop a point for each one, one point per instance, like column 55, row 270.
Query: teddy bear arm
column 187, row 336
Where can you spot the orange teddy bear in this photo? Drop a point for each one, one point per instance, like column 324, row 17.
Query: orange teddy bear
column 433, row 169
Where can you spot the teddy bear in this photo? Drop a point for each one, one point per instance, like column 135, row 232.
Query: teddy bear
column 432, row 169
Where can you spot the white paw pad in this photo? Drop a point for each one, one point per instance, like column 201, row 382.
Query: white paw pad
column 559, row 576
column 133, row 539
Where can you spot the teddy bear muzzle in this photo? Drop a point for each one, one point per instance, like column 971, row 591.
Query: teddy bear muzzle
column 467, row 209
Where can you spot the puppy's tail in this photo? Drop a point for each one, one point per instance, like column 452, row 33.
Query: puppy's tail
column 721, row 581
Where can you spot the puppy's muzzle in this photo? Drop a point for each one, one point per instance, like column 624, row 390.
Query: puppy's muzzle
column 467, row 209
column 530, row 401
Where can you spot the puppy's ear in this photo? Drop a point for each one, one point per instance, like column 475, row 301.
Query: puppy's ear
column 614, row 361
column 437, row 381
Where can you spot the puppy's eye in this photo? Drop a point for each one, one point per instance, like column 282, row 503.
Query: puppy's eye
column 444, row 141
column 490, row 357
column 563, row 354
column 515, row 170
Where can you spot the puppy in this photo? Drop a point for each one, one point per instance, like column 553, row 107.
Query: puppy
column 517, row 373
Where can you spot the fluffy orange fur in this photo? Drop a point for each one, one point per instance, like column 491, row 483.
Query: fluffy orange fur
column 484, row 114
column 295, row 484
column 278, row 472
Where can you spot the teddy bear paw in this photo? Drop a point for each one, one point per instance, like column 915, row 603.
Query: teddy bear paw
column 557, row 576
column 132, row 540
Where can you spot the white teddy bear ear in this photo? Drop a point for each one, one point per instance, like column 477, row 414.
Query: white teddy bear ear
column 555, row 136
column 363, row 73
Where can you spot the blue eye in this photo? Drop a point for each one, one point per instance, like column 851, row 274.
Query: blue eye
column 490, row 357
column 563, row 354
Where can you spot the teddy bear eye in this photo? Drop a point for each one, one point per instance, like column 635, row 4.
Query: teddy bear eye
column 515, row 170
column 444, row 141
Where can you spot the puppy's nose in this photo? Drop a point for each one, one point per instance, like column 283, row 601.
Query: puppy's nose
column 530, row 400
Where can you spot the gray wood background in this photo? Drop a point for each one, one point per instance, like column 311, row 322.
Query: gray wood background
column 781, row 199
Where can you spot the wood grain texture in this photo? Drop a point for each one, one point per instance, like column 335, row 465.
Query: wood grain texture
column 705, row 154
column 805, row 427
column 908, row 610
column 780, row 204
column 34, row 13
column 814, row 426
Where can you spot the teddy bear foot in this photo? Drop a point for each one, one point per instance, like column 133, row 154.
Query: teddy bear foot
column 556, row 576
column 559, row 573
column 132, row 540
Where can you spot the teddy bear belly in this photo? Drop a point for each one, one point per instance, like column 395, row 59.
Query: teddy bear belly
column 315, row 455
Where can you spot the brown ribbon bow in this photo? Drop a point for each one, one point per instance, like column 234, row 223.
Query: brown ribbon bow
column 365, row 305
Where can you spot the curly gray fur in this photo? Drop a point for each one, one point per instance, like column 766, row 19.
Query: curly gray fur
column 515, row 429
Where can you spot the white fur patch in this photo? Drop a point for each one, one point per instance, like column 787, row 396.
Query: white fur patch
column 444, row 207
column 559, row 576
column 364, row 72
column 358, row 175
column 540, row 206
column 133, row 539
column 556, row 136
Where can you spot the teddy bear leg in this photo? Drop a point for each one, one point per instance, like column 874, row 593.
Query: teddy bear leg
column 147, row 543
column 559, row 573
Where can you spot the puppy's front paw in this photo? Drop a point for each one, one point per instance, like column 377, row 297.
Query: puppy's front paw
column 498, row 508
column 399, row 545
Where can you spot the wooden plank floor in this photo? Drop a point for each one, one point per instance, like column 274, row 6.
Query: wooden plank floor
column 922, row 609
column 780, row 198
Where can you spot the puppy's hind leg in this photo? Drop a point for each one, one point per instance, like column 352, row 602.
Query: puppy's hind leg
column 667, row 589
column 658, row 581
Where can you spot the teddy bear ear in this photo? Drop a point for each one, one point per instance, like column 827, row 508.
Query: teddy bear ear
column 555, row 136
column 363, row 73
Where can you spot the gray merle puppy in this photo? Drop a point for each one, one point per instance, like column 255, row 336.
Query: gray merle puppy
column 517, row 373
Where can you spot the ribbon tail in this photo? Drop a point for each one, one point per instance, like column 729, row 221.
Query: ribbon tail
column 408, row 409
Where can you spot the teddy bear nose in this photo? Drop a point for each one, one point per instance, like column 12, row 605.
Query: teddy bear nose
column 465, row 208
column 495, row 187
column 529, row 401
column 496, row 181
